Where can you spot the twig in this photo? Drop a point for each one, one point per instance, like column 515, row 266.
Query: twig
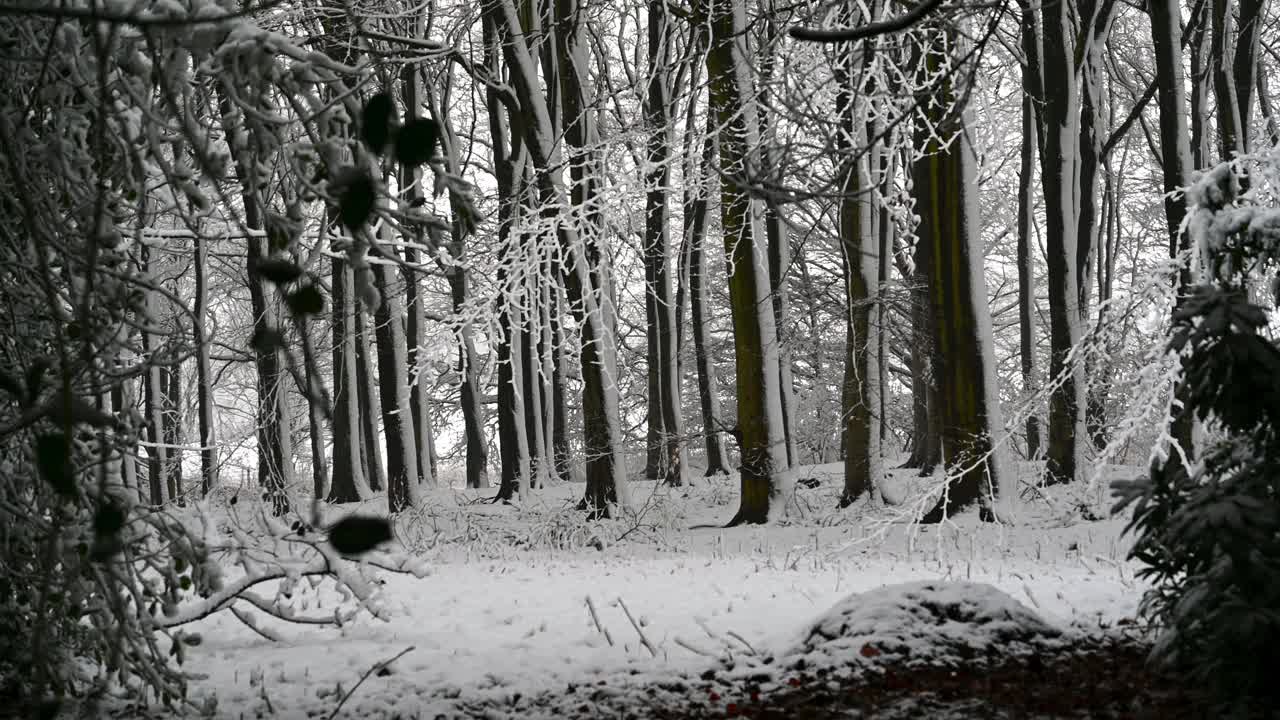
column 596, row 619
column 692, row 648
column 742, row 640
column 643, row 640
column 367, row 673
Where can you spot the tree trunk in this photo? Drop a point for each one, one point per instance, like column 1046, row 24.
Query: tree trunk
column 778, row 235
column 275, row 451
column 1201, row 80
column 586, row 286
column 696, row 211
column 508, row 161
column 860, row 396
column 374, row 469
column 666, row 454
column 946, row 201
column 1089, row 144
column 1175, row 152
column 459, row 279
column 564, row 466
column 1245, row 66
column 531, row 387
column 1060, row 161
column 347, row 483
column 763, row 443
column 1026, row 214
column 1222, row 56
column 393, row 393
column 172, row 378
column 152, row 397
column 926, row 444
column 415, row 319
column 204, row 381
column 859, row 245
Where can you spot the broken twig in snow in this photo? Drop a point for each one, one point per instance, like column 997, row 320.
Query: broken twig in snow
column 596, row 619
column 692, row 648
column 644, row 640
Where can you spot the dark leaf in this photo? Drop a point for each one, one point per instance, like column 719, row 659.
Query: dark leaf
column 76, row 410
column 53, row 459
column 280, row 232
column 306, row 301
column 108, row 520
column 267, row 339
column 416, row 142
column 35, row 379
column 278, row 270
column 192, row 639
column 358, row 534
column 11, row 385
column 355, row 204
column 375, row 122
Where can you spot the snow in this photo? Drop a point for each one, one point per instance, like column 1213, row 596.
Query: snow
column 503, row 616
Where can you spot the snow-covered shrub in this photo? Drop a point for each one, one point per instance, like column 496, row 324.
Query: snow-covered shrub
column 930, row 623
column 1209, row 531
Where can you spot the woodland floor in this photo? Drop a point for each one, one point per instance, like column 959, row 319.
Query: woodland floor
column 688, row 621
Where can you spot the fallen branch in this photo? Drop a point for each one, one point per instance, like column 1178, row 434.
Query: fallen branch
column 377, row 667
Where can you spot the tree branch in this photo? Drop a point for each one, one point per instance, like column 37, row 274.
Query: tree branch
column 884, row 27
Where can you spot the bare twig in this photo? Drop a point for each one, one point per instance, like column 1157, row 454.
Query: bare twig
column 367, row 673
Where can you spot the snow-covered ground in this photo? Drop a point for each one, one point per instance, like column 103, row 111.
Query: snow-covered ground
column 506, row 613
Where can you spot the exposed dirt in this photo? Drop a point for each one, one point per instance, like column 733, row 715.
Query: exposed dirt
column 1104, row 679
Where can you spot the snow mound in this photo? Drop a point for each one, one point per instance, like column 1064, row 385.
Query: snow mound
column 930, row 623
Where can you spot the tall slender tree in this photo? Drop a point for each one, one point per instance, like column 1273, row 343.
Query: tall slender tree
column 666, row 450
